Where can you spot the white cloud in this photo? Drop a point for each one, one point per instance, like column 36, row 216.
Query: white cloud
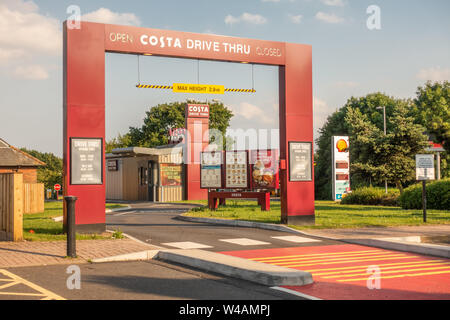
column 328, row 17
column 24, row 31
column 321, row 112
column 347, row 84
column 104, row 15
column 245, row 17
column 434, row 74
column 251, row 112
column 31, row 72
column 334, row 3
column 297, row 19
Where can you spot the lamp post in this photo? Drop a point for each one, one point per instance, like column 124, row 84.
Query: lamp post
column 384, row 127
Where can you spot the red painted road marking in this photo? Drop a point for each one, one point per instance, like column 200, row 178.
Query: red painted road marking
column 341, row 272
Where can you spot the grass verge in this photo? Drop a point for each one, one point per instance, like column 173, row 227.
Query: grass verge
column 328, row 215
column 41, row 227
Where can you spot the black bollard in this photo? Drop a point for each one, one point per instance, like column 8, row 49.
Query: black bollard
column 71, row 240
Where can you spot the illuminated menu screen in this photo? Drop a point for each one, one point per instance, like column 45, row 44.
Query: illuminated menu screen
column 236, row 169
column 86, row 161
column 211, row 170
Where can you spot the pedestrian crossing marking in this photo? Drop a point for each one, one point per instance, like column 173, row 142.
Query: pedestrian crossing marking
column 363, row 268
column 338, row 258
column 349, row 261
column 316, row 254
column 331, row 256
column 296, row 239
column 245, row 242
column 383, row 264
column 396, row 276
column 187, row 245
column 384, row 272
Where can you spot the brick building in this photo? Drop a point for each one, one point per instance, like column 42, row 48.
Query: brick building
column 15, row 160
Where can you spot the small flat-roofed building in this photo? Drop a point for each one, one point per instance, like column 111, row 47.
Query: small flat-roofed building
column 145, row 174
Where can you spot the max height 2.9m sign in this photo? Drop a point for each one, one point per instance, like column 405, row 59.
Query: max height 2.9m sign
column 84, row 104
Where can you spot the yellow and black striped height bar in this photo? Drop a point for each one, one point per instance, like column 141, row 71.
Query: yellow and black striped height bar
column 152, row 86
column 240, row 90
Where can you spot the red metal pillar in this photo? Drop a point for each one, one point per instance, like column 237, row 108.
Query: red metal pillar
column 296, row 124
column 84, row 116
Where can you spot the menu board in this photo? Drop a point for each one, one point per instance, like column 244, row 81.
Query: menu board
column 211, row 170
column 86, row 161
column 170, row 174
column 300, row 155
column 264, row 168
column 236, row 169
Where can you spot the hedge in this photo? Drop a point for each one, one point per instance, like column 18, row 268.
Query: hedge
column 438, row 195
column 372, row 196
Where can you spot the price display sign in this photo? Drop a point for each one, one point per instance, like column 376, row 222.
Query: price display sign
column 236, row 169
column 211, row 170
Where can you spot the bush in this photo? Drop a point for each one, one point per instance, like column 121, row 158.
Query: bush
column 438, row 195
column 372, row 196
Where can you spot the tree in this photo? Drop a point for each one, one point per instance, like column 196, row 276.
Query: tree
column 161, row 118
column 373, row 156
column 432, row 110
column 389, row 156
column 51, row 173
column 122, row 141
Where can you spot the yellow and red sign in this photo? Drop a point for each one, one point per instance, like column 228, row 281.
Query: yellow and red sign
column 198, row 88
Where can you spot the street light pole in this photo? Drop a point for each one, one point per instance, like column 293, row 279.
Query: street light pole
column 384, row 129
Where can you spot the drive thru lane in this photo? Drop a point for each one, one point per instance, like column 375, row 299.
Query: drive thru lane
column 156, row 224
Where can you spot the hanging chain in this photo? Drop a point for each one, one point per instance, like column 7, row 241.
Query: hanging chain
column 139, row 72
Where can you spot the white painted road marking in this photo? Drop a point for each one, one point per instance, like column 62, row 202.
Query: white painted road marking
column 186, row 245
column 244, row 242
column 296, row 239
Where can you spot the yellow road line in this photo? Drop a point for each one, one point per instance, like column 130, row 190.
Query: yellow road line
column 340, row 262
column 12, row 283
column 382, row 268
column 44, row 292
column 384, row 272
column 313, row 254
column 383, row 264
column 397, row 276
column 380, row 256
column 331, row 256
column 23, row 294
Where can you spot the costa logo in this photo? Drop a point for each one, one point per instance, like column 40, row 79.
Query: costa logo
column 162, row 42
column 199, row 109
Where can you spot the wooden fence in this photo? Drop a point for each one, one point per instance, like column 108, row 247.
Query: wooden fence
column 11, row 206
column 16, row 199
column 33, row 197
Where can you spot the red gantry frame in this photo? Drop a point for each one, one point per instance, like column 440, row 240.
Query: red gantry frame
column 84, row 100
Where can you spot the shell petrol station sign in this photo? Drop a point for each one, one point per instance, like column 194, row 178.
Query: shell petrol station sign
column 84, row 105
column 341, row 166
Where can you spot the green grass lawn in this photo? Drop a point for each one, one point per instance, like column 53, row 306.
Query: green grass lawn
column 328, row 215
column 43, row 228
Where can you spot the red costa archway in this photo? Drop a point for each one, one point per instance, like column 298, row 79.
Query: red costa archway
column 84, row 107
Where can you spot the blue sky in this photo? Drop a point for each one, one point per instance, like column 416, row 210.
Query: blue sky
column 412, row 46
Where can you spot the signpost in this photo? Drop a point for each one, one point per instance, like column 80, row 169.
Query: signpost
column 341, row 166
column 57, row 187
column 424, row 172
